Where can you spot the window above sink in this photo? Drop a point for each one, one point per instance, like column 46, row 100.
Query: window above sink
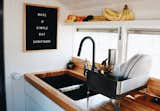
column 104, row 39
column 128, row 45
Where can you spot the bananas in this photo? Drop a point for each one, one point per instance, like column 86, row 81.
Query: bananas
column 125, row 14
column 110, row 14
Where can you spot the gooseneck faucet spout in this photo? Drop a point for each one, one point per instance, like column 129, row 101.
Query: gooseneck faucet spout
column 93, row 52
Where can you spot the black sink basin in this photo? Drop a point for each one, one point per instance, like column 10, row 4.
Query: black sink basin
column 62, row 81
column 67, row 80
column 79, row 93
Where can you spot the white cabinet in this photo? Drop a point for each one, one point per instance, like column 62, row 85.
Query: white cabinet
column 37, row 101
column 31, row 105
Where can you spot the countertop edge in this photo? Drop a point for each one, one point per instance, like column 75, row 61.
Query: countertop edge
column 52, row 93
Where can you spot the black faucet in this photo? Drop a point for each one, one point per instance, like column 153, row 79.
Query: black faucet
column 93, row 53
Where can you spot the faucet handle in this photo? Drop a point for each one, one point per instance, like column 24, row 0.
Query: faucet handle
column 87, row 66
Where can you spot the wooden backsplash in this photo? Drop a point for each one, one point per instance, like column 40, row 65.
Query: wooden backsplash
column 153, row 86
column 79, row 64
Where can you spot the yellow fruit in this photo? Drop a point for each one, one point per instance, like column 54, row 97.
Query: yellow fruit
column 123, row 15
column 131, row 15
column 126, row 14
column 110, row 16
column 112, row 12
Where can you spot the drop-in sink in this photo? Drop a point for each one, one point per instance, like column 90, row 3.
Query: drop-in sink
column 71, row 86
column 79, row 93
column 61, row 81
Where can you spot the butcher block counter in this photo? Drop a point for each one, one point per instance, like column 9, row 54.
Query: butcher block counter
column 133, row 102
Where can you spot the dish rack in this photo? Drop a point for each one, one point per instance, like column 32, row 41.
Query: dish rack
column 114, row 87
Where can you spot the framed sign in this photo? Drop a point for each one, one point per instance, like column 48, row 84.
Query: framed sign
column 40, row 27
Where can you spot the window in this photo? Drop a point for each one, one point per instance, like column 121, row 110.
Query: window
column 142, row 41
column 104, row 39
column 146, row 42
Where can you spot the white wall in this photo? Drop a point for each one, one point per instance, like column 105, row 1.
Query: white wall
column 18, row 61
column 143, row 9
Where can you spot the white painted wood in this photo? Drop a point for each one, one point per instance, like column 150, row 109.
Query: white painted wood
column 18, row 61
column 31, row 105
column 36, row 101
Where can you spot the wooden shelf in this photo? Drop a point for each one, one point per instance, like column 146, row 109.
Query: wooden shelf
column 134, row 23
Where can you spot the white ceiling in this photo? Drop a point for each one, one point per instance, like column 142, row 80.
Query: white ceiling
column 80, row 4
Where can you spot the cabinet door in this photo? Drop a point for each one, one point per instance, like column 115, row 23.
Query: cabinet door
column 37, row 101
column 31, row 105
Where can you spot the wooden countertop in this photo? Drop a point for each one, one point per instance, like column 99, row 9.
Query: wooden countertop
column 52, row 93
column 134, row 102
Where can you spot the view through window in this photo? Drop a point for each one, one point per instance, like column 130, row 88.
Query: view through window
column 138, row 42
column 146, row 44
column 103, row 40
